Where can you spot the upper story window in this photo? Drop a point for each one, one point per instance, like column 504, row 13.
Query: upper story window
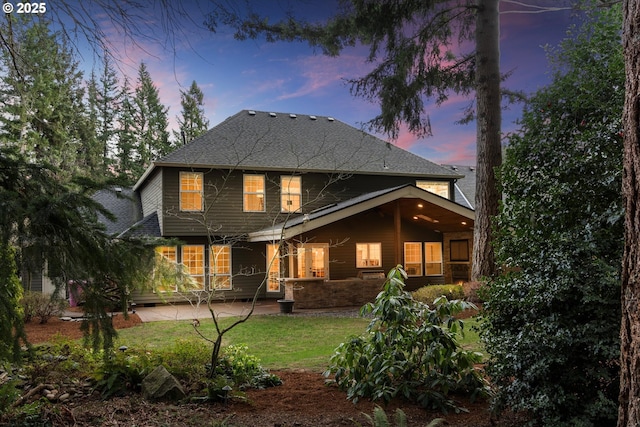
column 220, row 267
column 368, row 255
column 191, row 194
column 441, row 188
column 253, row 191
column 290, row 193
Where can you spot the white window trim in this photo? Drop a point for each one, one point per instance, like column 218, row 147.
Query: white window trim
column 441, row 259
column 212, row 274
column 245, row 193
column 175, row 249
column 204, row 270
column 420, row 255
column 201, row 191
column 285, row 195
column 369, row 245
column 273, row 266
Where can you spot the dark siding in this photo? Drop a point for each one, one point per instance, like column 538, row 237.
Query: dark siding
column 151, row 196
column 223, row 199
column 368, row 227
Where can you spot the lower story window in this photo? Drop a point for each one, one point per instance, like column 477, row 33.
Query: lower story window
column 166, row 263
column 433, row 258
column 413, row 258
column 193, row 261
column 220, row 267
column 273, row 268
column 368, row 255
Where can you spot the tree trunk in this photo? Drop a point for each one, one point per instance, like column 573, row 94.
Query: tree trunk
column 629, row 409
column 489, row 152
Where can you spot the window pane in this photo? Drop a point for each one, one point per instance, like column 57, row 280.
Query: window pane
column 220, row 267
column 435, row 187
column 253, row 193
column 273, row 268
column 193, row 261
column 459, row 250
column 433, row 258
column 190, row 191
column 168, row 261
column 368, row 255
column 413, row 258
column 290, row 193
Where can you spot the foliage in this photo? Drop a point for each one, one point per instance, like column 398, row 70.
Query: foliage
column 11, row 312
column 124, row 372
column 42, row 306
column 553, row 318
column 428, row 294
column 193, row 121
column 243, row 369
column 408, row 351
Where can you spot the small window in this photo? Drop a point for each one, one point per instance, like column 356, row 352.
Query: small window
column 368, row 255
column 459, row 250
column 433, row 258
column 167, row 260
column 440, row 188
column 253, row 188
column 220, row 267
column 191, row 194
column 291, row 193
column 413, row 258
column 193, row 261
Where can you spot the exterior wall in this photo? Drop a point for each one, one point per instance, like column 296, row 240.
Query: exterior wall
column 314, row 293
column 224, row 204
column 151, row 197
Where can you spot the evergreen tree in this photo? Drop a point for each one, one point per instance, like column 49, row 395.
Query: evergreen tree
column 43, row 109
column 193, row 122
column 108, row 98
column 126, row 138
column 552, row 320
column 150, row 121
column 11, row 313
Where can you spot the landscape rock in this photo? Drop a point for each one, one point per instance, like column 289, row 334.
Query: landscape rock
column 161, row 385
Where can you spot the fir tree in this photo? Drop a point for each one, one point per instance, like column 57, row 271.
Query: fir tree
column 126, row 154
column 193, row 122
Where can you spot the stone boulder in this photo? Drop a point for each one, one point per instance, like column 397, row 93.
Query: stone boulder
column 161, row 385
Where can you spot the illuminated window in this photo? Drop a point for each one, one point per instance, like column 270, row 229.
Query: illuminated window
column 413, row 258
column 193, row 262
column 368, row 255
column 433, row 258
column 273, row 268
column 166, row 261
column 190, row 191
column 436, row 187
column 290, row 193
column 253, row 189
column 313, row 260
column 220, row 267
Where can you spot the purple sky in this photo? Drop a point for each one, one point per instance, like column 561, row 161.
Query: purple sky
column 291, row 78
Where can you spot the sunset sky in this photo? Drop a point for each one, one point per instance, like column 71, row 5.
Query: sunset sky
column 292, row 78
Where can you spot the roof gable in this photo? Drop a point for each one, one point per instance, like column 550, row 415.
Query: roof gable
column 261, row 140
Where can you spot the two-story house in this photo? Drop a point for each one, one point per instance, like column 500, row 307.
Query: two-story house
column 265, row 196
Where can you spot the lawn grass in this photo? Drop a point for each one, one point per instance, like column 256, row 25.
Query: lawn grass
column 280, row 342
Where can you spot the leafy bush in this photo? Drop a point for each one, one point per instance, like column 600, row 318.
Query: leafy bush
column 553, row 321
column 428, row 294
column 243, row 369
column 42, row 306
column 124, row 371
column 409, row 351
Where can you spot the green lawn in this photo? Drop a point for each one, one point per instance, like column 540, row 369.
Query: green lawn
column 280, row 342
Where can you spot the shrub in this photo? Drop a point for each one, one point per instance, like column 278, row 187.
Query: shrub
column 243, row 369
column 42, row 306
column 428, row 294
column 409, row 351
column 474, row 292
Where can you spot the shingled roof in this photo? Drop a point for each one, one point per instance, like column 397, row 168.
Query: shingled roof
column 260, row 140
